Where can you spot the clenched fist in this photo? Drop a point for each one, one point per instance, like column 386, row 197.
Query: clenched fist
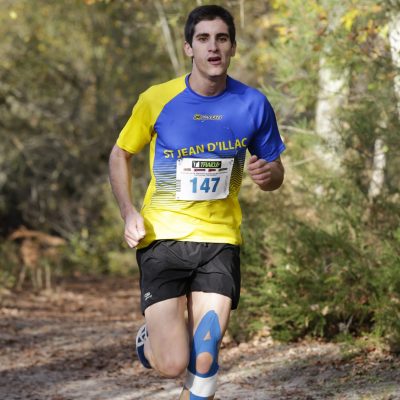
column 267, row 175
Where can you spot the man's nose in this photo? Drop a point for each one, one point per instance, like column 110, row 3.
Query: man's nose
column 213, row 44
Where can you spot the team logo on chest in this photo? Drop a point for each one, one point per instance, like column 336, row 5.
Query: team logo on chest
column 207, row 117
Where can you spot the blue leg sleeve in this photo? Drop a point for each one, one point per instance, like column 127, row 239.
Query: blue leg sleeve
column 205, row 340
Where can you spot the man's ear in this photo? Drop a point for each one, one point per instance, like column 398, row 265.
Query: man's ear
column 188, row 49
column 233, row 50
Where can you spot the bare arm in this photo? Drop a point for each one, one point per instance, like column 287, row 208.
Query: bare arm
column 120, row 179
column 267, row 175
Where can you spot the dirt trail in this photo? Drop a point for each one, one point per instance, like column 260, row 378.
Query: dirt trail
column 78, row 343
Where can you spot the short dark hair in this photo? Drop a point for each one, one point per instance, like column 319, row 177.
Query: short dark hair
column 209, row 13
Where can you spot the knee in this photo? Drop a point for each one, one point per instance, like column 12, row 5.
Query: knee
column 204, row 362
column 171, row 367
column 204, row 353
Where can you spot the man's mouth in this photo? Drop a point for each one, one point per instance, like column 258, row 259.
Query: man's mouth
column 214, row 60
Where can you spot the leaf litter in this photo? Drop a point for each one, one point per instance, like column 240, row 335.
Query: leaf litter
column 77, row 342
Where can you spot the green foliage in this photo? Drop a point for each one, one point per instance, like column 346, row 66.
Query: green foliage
column 386, row 302
column 100, row 249
column 69, row 81
column 327, row 261
column 327, row 273
column 9, row 264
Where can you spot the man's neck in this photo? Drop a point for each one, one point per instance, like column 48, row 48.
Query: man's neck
column 207, row 86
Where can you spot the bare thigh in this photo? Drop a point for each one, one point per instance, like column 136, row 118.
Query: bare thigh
column 199, row 303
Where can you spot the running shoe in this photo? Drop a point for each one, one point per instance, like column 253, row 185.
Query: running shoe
column 141, row 338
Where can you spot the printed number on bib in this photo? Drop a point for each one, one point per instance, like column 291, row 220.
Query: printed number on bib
column 203, row 179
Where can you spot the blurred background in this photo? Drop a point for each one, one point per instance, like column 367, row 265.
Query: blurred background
column 321, row 256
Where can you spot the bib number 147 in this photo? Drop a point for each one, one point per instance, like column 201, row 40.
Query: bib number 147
column 205, row 184
column 203, row 179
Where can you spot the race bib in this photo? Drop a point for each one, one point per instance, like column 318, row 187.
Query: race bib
column 203, row 178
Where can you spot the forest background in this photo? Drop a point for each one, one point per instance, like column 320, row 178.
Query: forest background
column 320, row 256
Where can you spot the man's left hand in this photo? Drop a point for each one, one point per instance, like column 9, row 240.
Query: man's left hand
column 267, row 175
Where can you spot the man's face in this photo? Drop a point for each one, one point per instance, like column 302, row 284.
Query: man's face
column 211, row 48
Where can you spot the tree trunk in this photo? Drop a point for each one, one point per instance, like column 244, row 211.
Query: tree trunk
column 169, row 42
column 333, row 92
column 394, row 39
column 378, row 170
column 379, row 163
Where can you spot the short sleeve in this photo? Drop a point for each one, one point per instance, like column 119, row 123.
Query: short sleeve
column 138, row 130
column 266, row 142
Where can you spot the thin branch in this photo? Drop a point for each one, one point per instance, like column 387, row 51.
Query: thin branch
column 304, row 161
column 242, row 15
column 168, row 37
column 295, row 129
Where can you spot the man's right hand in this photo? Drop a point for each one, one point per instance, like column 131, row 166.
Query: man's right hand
column 134, row 229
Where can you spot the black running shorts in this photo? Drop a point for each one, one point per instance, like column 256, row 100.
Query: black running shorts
column 170, row 268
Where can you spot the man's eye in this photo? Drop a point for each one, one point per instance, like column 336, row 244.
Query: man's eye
column 202, row 39
column 223, row 39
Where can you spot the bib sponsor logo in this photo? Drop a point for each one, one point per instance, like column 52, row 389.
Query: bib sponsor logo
column 206, row 164
column 207, row 117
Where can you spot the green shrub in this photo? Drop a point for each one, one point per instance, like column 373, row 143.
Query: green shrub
column 328, row 270
column 9, row 264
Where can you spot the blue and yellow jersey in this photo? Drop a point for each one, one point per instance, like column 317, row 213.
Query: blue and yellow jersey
column 211, row 132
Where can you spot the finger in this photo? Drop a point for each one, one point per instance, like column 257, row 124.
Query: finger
column 132, row 236
column 131, row 242
column 261, row 175
column 132, row 245
column 258, row 170
column 259, row 163
column 261, row 179
column 253, row 159
column 262, row 183
column 140, row 228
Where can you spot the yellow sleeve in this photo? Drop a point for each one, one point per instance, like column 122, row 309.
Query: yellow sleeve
column 139, row 128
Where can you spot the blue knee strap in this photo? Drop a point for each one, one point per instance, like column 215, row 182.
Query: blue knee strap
column 205, row 340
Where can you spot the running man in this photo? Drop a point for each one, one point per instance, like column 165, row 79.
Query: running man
column 198, row 128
